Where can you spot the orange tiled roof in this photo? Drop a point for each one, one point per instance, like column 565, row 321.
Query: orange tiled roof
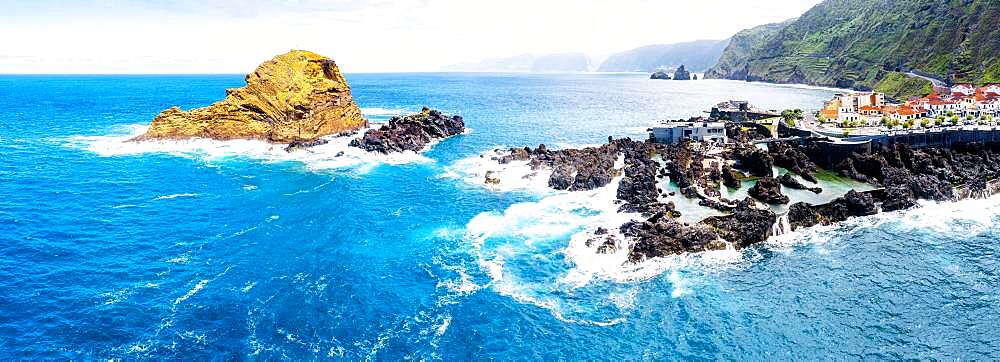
column 829, row 113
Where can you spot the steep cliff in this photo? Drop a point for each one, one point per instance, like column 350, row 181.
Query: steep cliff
column 698, row 55
column 296, row 96
column 856, row 43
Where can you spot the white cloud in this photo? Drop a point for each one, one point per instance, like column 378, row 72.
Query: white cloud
column 362, row 36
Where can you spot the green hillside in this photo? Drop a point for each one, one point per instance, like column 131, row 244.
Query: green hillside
column 858, row 43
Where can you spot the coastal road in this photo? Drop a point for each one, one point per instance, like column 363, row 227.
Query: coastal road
column 936, row 82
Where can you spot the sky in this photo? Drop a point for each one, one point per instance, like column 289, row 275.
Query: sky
column 228, row 36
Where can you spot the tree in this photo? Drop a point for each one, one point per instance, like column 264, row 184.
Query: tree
column 925, row 122
column 790, row 116
column 938, row 121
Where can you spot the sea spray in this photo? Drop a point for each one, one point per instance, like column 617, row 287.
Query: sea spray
column 336, row 154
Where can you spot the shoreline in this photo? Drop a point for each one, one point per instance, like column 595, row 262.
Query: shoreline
column 659, row 230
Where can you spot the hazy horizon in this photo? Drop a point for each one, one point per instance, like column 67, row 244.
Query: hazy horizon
column 362, row 36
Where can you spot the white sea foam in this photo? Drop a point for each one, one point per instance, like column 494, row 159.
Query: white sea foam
column 334, row 155
column 513, row 176
column 191, row 292
column 965, row 217
column 378, row 111
column 173, row 196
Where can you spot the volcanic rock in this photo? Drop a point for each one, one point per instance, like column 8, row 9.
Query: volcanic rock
column 661, row 236
column 788, row 181
column 410, row 133
column 747, row 224
column 852, row 204
column 729, row 178
column 768, row 190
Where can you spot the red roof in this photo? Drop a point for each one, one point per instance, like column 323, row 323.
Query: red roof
column 870, row 108
column 907, row 111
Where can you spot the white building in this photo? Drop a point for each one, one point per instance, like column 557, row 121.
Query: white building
column 966, row 89
column 850, row 105
column 673, row 132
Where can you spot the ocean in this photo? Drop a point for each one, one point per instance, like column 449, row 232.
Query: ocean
column 234, row 250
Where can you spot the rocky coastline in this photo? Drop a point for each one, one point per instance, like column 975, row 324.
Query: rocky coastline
column 900, row 175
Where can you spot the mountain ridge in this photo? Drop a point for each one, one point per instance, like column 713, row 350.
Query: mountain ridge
column 859, row 43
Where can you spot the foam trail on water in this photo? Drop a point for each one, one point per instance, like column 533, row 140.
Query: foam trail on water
column 334, row 155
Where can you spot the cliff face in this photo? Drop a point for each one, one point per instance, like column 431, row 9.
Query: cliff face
column 856, row 43
column 297, row 96
column 697, row 55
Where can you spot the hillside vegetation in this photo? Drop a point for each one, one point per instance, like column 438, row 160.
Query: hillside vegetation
column 898, row 86
column 858, row 43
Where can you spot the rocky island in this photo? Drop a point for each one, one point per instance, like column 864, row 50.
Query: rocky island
column 297, row 98
column 899, row 176
column 294, row 97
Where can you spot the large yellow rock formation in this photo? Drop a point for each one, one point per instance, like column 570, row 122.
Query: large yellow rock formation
column 297, row 96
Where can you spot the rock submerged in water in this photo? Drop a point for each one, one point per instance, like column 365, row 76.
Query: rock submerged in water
column 410, row 133
column 298, row 96
column 790, row 182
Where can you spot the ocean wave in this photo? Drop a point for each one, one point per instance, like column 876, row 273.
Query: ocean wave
column 334, row 155
column 945, row 218
column 534, row 252
column 513, row 176
column 378, row 111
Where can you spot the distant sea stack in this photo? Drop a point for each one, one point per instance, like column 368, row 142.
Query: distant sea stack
column 298, row 96
column 660, row 75
column 682, row 74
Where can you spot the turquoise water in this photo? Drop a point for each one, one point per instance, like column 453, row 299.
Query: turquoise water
column 236, row 249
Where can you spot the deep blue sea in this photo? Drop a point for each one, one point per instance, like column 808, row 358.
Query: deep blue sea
column 234, row 250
